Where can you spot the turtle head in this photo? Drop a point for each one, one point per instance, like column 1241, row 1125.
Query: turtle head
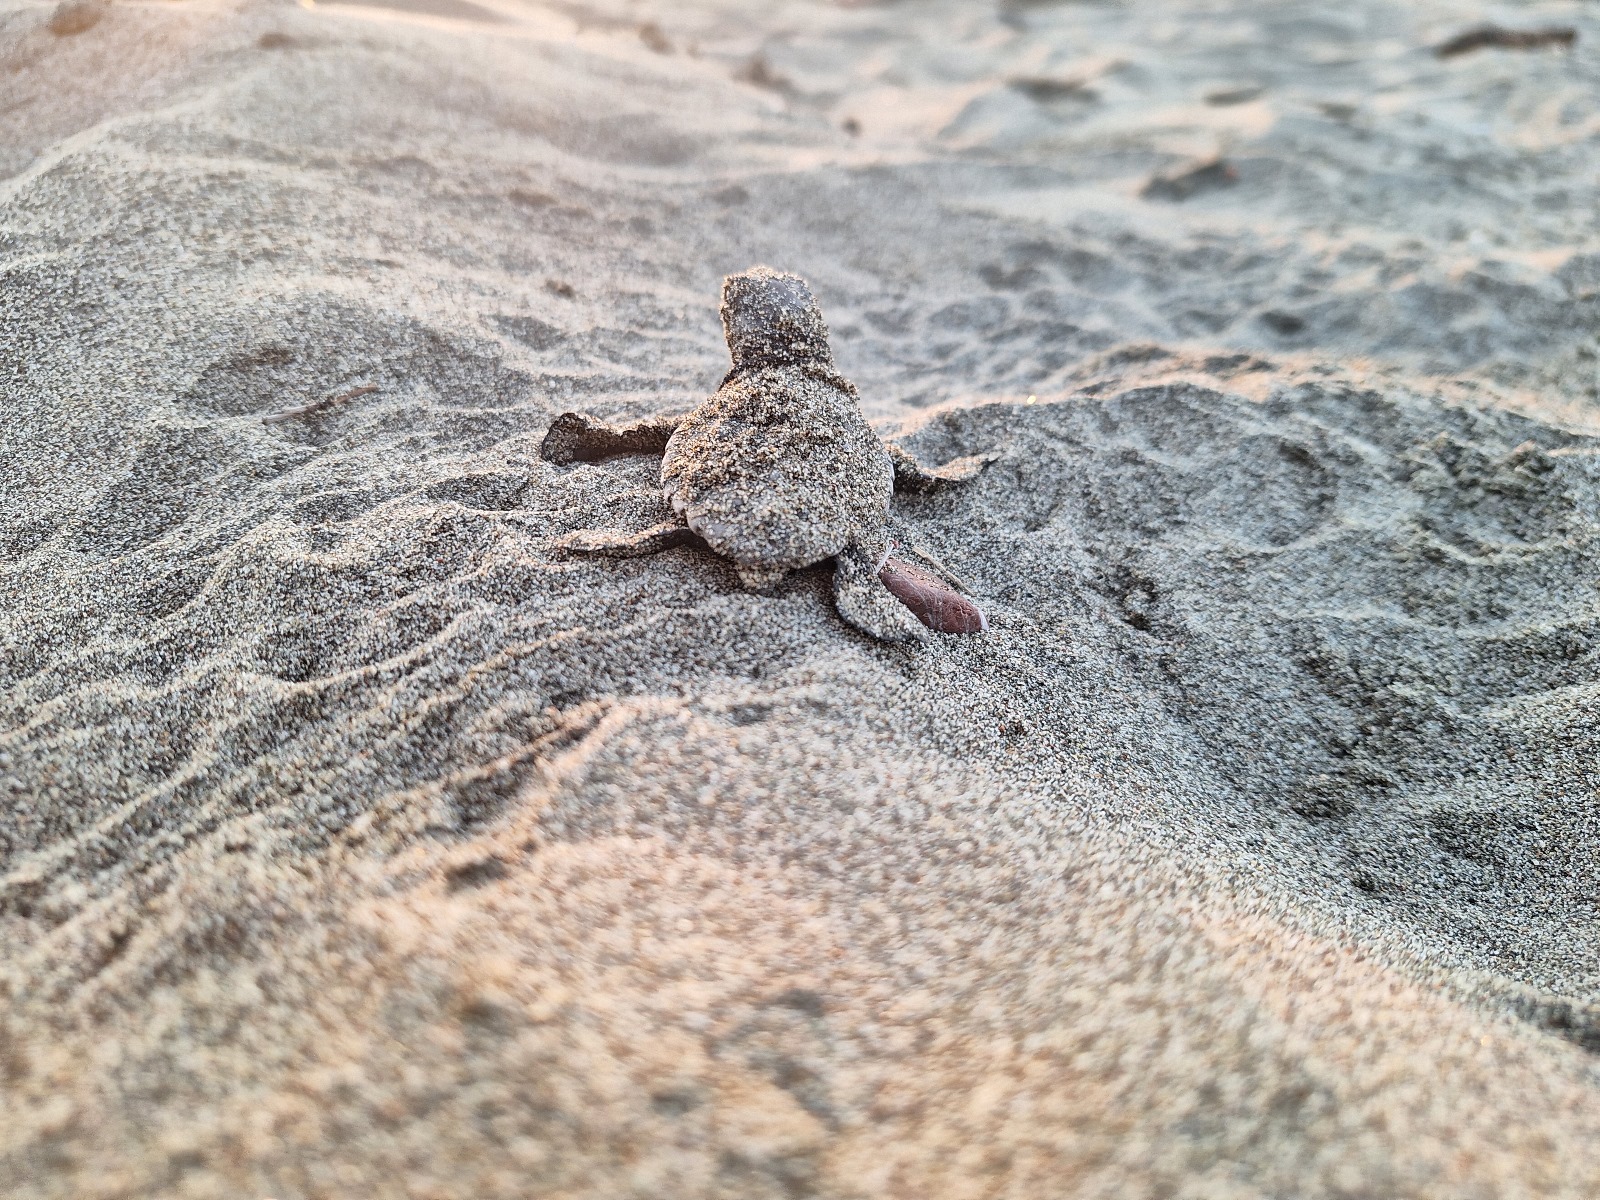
column 771, row 319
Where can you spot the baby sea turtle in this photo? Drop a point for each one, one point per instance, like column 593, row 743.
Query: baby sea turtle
column 779, row 470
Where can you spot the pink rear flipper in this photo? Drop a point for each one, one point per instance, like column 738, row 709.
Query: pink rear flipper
column 936, row 604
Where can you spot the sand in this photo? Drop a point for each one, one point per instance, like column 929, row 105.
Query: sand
column 355, row 843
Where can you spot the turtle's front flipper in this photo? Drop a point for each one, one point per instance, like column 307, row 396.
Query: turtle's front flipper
column 911, row 476
column 864, row 601
column 574, row 437
column 629, row 545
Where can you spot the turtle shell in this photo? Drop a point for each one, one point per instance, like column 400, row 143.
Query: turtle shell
column 780, row 470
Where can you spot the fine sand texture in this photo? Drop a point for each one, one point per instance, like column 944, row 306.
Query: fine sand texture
column 357, row 843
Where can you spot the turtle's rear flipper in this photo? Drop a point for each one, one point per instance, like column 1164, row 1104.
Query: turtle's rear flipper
column 629, row 545
column 864, row 601
column 574, row 437
column 911, row 476
column 937, row 605
column 905, row 546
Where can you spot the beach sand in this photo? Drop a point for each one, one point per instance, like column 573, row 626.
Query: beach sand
column 356, row 843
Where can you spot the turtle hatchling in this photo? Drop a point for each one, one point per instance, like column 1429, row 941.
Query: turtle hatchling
column 779, row 470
